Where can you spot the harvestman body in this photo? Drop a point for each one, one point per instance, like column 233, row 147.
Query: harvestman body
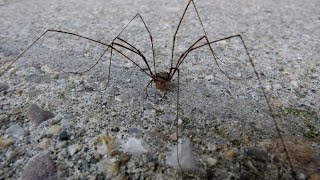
column 162, row 79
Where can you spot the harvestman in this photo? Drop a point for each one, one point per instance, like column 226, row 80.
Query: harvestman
column 162, row 79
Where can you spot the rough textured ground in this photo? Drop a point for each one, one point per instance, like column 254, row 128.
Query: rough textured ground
column 225, row 127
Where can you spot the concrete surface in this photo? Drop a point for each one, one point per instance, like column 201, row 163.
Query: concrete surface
column 232, row 116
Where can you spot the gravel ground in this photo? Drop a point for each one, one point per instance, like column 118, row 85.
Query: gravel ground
column 59, row 125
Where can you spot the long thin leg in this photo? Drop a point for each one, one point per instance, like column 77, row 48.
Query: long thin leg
column 202, row 45
column 175, row 33
column 151, row 39
column 117, row 37
column 270, row 108
column 73, row 34
column 260, row 84
column 49, row 30
column 138, row 53
column 206, row 37
column 183, row 56
column 149, row 83
column 129, row 59
column 177, row 115
column 133, row 50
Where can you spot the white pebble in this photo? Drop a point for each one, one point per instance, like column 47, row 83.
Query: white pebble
column 211, row 161
column 294, row 83
column 212, row 147
column 74, row 149
column 135, row 146
column 186, row 158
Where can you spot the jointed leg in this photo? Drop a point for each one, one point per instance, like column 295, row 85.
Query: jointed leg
column 149, row 83
column 132, row 48
column 205, row 35
column 49, row 30
column 208, row 43
column 260, row 84
column 73, row 34
column 207, row 40
column 177, row 116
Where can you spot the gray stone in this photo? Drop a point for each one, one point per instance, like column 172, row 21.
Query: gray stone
column 15, row 130
column 38, row 115
column 39, row 167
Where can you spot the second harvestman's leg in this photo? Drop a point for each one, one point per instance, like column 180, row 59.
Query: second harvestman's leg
column 177, row 115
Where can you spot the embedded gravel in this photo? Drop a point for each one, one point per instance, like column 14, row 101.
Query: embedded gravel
column 61, row 125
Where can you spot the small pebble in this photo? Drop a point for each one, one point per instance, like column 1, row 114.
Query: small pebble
column 40, row 166
column 107, row 141
column 15, row 130
column 55, row 129
column 135, row 146
column 38, row 115
column 152, row 166
column 231, row 154
column 302, row 176
column 277, row 86
column 211, row 161
column 11, row 154
column 212, row 147
column 250, row 164
column 3, row 87
column 294, row 83
column 5, row 142
column 186, row 158
column 72, row 149
column 173, row 137
column 4, row 120
column 256, row 154
column 45, row 144
column 62, row 144
column 64, row 136
column 116, row 168
column 97, row 156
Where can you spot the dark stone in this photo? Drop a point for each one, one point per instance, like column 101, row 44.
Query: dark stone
column 115, row 129
column 256, row 154
column 38, row 115
column 64, row 136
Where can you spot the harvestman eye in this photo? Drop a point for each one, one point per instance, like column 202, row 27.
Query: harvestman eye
column 162, row 80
